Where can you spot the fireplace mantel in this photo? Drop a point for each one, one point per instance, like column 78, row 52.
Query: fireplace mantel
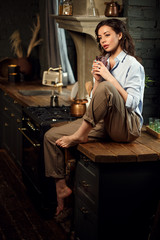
column 82, row 24
column 82, row 30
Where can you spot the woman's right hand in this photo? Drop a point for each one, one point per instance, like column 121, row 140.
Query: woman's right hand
column 95, row 66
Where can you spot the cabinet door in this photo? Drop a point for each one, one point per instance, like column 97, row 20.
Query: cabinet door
column 86, row 222
column 1, row 118
column 6, row 131
column 16, row 137
column 86, row 200
column 87, row 182
column 11, row 119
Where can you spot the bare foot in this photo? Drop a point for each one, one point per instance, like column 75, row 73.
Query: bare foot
column 61, row 194
column 80, row 136
column 70, row 141
column 60, row 206
column 64, row 192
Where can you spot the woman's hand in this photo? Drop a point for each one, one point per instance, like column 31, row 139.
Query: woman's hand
column 99, row 70
column 95, row 72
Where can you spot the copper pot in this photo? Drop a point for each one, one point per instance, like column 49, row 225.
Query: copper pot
column 78, row 107
column 112, row 9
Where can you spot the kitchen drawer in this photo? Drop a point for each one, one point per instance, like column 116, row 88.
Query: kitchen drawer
column 86, row 227
column 87, row 200
column 10, row 104
column 87, row 180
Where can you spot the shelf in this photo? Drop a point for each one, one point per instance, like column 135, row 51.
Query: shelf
column 81, row 23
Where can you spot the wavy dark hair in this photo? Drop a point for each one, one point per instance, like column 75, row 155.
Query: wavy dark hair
column 118, row 26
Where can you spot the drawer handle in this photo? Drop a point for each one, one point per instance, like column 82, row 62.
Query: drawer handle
column 84, row 210
column 85, row 184
column 22, row 130
column 18, row 120
column 5, row 109
column 6, row 124
column 86, row 160
column 12, row 115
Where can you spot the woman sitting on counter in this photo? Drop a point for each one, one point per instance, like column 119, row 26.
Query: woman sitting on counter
column 116, row 104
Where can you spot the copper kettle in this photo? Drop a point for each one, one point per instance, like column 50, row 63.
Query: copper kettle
column 112, row 9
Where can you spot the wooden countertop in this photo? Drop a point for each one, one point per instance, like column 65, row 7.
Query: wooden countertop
column 12, row 89
column 145, row 148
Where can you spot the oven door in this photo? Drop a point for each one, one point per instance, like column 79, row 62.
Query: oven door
column 31, row 165
column 41, row 189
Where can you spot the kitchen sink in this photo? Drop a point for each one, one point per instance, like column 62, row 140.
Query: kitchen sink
column 35, row 92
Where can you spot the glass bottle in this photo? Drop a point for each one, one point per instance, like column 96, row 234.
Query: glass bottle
column 92, row 11
column 67, row 7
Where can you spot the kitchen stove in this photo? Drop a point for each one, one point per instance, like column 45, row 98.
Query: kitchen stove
column 45, row 116
column 36, row 121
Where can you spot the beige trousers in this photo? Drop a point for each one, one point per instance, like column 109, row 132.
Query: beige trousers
column 109, row 117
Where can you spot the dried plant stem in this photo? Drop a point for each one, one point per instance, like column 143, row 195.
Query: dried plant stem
column 33, row 43
column 16, row 44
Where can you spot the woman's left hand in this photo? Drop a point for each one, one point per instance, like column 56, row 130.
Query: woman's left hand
column 100, row 69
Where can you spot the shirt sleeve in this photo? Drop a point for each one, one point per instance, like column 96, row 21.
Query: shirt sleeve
column 134, row 86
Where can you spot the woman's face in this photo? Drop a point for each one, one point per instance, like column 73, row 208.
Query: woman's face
column 108, row 39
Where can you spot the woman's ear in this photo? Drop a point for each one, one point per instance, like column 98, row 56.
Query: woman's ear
column 120, row 36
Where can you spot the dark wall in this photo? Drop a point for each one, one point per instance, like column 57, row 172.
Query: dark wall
column 143, row 20
column 17, row 15
column 21, row 15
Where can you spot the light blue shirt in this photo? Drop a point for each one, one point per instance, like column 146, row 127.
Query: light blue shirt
column 131, row 76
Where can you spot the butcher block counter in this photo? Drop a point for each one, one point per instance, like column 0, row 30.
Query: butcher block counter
column 15, row 89
column 145, row 148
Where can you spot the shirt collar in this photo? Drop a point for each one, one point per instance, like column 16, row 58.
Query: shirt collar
column 121, row 56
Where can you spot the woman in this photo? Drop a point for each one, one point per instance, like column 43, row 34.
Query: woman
column 116, row 105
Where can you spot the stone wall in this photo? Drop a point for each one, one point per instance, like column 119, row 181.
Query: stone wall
column 143, row 21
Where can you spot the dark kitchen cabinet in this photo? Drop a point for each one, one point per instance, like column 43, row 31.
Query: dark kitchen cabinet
column 1, row 127
column 115, row 200
column 11, row 120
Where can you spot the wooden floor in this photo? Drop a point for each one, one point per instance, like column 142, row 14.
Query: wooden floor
column 18, row 217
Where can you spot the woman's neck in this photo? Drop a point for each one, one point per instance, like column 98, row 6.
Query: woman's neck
column 115, row 53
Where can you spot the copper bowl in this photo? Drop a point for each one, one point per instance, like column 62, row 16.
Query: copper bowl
column 78, row 107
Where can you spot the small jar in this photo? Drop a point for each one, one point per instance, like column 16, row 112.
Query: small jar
column 13, row 73
column 67, row 7
column 60, row 7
